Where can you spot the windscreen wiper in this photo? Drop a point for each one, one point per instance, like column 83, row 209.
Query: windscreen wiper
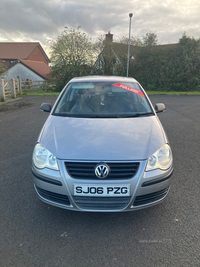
column 139, row 115
column 105, row 117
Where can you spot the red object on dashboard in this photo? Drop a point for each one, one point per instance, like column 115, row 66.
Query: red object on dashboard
column 129, row 89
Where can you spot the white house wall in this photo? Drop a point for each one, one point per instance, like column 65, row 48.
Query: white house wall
column 22, row 71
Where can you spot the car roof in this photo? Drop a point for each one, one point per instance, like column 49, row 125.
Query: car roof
column 102, row 79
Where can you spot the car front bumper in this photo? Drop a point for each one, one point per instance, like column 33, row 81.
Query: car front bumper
column 146, row 189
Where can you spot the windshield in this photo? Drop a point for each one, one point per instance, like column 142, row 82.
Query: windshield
column 103, row 100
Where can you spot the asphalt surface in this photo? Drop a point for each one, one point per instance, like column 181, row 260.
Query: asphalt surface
column 33, row 233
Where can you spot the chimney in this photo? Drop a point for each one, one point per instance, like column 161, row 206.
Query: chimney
column 109, row 37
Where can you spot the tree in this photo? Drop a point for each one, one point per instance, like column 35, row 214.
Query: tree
column 150, row 39
column 3, row 69
column 72, row 55
column 133, row 41
column 185, row 65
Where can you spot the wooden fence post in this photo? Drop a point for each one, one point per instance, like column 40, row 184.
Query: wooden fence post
column 13, row 92
column 19, row 85
column 45, row 85
column 2, row 91
column 16, row 86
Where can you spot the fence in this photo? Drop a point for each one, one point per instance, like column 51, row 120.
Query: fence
column 16, row 87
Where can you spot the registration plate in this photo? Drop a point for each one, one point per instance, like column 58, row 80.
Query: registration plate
column 102, row 190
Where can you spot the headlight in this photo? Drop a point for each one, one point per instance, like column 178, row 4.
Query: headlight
column 42, row 158
column 161, row 159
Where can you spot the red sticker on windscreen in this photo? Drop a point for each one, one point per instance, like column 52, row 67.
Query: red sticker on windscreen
column 129, row 89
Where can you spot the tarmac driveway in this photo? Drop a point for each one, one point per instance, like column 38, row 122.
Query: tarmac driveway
column 35, row 234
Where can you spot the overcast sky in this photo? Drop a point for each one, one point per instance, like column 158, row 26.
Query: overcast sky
column 41, row 20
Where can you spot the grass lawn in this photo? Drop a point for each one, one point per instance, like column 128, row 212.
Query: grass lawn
column 39, row 92
column 172, row 93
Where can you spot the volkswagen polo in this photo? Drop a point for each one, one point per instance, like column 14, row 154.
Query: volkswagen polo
column 102, row 148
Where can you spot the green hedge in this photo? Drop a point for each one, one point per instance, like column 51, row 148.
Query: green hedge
column 169, row 67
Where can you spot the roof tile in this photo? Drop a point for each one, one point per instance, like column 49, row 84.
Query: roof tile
column 40, row 68
column 17, row 50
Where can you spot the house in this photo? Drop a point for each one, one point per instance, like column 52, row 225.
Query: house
column 113, row 58
column 25, row 59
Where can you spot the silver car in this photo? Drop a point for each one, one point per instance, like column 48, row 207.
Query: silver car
column 102, row 148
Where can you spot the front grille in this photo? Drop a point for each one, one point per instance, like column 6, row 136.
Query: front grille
column 58, row 198
column 118, row 171
column 101, row 203
column 148, row 198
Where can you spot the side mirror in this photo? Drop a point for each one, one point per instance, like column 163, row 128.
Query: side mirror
column 46, row 107
column 160, row 107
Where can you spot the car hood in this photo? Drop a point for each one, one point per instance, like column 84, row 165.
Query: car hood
column 102, row 138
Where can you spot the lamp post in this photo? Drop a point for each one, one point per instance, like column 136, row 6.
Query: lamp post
column 130, row 16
